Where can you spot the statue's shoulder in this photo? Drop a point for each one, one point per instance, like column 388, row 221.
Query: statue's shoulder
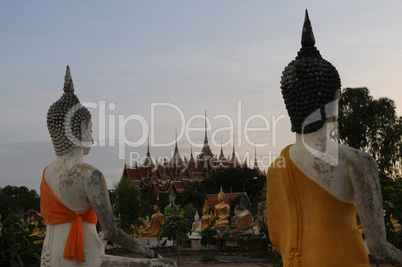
column 354, row 155
column 89, row 170
column 356, row 159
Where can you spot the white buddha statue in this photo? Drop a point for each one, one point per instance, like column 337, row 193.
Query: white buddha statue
column 74, row 196
column 196, row 227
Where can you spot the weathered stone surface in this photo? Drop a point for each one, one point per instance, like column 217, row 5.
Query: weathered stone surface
column 78, row 186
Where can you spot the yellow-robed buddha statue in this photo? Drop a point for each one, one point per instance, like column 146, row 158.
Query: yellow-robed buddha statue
column 156, row 222
column 206, row 216
column 222, row 210
column 395, row 223
column 317, row 185
column 243, row 217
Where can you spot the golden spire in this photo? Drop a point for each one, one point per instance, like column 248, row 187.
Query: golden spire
column 255, row 155
column 221, row 193
column 221, row 156
column 233, row 154
column 148, row 160
column 176, row 140
column 206, row 138
column 191, row 154
column 176, row 158
column 148, row 154
column 255, row 161
column 206, row 207
column 206, row 152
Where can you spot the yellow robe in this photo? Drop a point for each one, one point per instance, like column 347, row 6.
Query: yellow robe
column 307, row 225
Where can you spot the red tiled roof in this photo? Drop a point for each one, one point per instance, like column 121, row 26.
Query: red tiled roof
column 142, row 172
column 185, row 181
column 133, row 174
column 179, row 185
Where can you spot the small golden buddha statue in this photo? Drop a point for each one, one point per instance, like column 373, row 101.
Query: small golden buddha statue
column 156, row 222
column 138, row 229
column 395, row 223
column 206, row 217
column 222, row 210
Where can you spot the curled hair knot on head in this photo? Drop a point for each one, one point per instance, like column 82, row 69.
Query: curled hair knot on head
column 308, row 83
column 65, row 118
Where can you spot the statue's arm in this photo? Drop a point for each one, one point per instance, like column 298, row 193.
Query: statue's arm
column 96, row 190
column 366, row 186
column 227, row 212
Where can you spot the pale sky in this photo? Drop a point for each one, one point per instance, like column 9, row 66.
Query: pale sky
column 190, row 55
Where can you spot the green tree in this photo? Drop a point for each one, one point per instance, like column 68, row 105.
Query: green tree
column 209, row 236
column 16, row 246
column 17, row 199
column 231, row 179
column 174, row 229
column 194, row 193
column 372, row 126
column 189, row 213
column 392, row 195
column 128, row 207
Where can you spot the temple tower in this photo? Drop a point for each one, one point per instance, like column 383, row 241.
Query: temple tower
column 206, row 153
column 148, row 160
column 176, row 159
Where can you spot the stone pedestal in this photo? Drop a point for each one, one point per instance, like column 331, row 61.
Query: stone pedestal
column 196, row 244
column 220, row 229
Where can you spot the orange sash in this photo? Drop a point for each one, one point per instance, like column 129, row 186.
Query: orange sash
column 54, row 211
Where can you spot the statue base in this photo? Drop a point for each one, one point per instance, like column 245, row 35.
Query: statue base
column 242, row 242
column 221, row 229
column 195, row 243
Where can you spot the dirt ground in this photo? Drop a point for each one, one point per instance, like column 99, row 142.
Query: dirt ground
column 193, row 259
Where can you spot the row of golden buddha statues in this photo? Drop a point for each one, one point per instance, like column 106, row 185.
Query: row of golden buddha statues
column 241, row 220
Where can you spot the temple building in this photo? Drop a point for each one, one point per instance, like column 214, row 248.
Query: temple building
column 175, row 173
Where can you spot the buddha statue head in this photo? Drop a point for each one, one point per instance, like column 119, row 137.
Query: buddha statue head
column 221, row 196
column 157, row 208
column 172, row 198
column 68, row 121
column 308, row 84
column 205, row 209
column 196, row 216
column 157, row 205
column 243, row 204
